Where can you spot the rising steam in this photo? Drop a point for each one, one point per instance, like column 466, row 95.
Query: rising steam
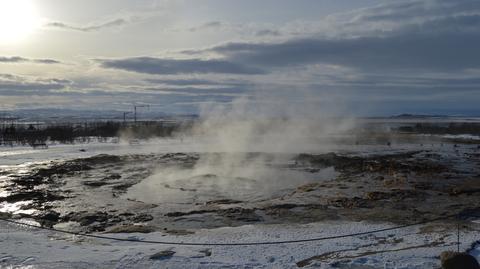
column 245, row 152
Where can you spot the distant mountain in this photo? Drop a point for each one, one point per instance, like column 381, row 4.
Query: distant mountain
column 73, row 115
column 417, row 116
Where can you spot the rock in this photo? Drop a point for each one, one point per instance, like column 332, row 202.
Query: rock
column 240, row 214
column 142, row 218
column 178, row 232
column 93, row 183
column 51, row 216
column 5, row 215
column 162, row 255
column 468, row 187
column 113, row 176
column 354, row 202
column 86, row 218
column 131, row 229
column 193, row 212
column 39, row 196
column 207, row 252
column 395, row 194
column 457, row 260
column 307, row 188
column 223, row 202
column 102, row 159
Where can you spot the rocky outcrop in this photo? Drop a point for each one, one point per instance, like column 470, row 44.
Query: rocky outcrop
column 458, row 260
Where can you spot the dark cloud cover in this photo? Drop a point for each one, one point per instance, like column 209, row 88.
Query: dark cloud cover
column 11, row 84
column 194, row 91
column 433, row 36
column 196, row 82
column 441, row 44
column 182, row 82
column 17, row 59
column 27, row 88
column 150, row 65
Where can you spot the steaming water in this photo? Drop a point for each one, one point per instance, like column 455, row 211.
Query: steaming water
column 253, row 182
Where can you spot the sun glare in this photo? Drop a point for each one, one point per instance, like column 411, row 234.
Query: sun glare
column 18, row 19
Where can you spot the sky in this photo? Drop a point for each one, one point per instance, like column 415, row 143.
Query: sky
column 363, row 57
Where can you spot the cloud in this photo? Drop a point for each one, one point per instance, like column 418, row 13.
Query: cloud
column 387, row 55
column 21, row 85
column 89, row 28
column 46, row 61
column 399, row 11
column 195, row 91
column 267, row 32
column 150, row 65
column 26, row 89
column 447, row 43
column 14, row 59
column 17, row 59
column 196, row 82
column 396, row 36
column 208, row 26
column 182, row 82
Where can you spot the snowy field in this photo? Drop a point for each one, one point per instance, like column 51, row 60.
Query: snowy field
column 405, row 248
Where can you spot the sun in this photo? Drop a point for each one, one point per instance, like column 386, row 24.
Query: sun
column 18, row 19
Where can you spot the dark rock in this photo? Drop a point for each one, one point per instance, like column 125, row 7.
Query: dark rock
column 400, row 162
column 393, row 195
column 93, row 183
column 240, row 214
column 207, row 252
column 283, row 206
column 223, row 202
column 162, row 255
column 355, row 202
column 178, row 232
column 457, row 260
column 131, row 229
column 113, row 176
column 102, row 159
column 50, row 216
column 126, row 214
column 36, row 195
column 193, row 212
column 86, row 218
column 307, row 187
column 142, row 218
column 122, row 187
column 5, row 215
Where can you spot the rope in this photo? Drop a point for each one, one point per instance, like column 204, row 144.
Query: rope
column 231, row 244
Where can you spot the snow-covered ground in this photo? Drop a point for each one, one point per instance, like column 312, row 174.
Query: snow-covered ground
column 414, row 247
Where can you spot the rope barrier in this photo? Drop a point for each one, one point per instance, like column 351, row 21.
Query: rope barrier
column 231, row 244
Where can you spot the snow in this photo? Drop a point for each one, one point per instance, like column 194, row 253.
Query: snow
column 23, row 247
column 463, row 136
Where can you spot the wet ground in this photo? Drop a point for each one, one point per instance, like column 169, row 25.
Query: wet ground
column 179, row 192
